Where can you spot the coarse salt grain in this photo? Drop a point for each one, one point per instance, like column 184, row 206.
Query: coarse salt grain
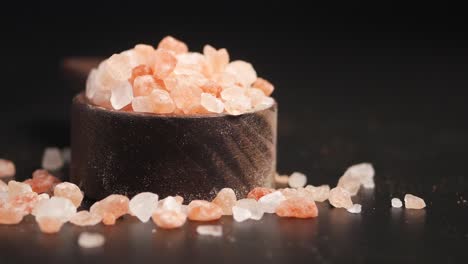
column 355, row 209
column 91, row 240
column 210, row 230
column 143, row 205
column 270, row 201
column 414, row 202
column 240, row 214
column 297, row 180
column 396, row 203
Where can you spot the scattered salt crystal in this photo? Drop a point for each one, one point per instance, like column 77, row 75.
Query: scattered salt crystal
column 111, row 208
column 414, row 202
column 69, row 191
column 210, row 230
column 340, row 198
column 143, row 205
column 53, row 213
column 258, row 192
column 199, row 210
column 226, row 199
column 211, row 103
column 298, row 207
column 396, row 203
column 52, row 159
column 355, row 209
column 169, row 219
column 297, row 180
column 7, row 168
column 121, row 95
column 17, row 188
column 91, row 240
column 253, row 206
column 318, row 193
column 170, row 203
column 240, row 214
column 350, row 184
column 270, row 201
column 85, row 218
column 42, row 181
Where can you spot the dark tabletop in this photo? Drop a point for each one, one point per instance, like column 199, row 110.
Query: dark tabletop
column 347, row 92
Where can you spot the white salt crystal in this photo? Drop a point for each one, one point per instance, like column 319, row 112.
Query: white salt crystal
column 297, row 180
column 211, row 103
column 253, row 206
column 91, row 240
column 396, row 203
column 240, row 214
column 170, row 204
column 121, row 95
column 340, row 198
column 55, row 207
column 52, row 159
column 355, row 209
column 143, row 205
column 269, row 202
column 210, row 230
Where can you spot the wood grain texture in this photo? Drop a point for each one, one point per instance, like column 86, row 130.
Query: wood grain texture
column 194, row 156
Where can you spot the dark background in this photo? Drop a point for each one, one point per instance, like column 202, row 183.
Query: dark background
column 383, row 83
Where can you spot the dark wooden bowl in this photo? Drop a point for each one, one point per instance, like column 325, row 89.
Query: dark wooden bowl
column 192, row 156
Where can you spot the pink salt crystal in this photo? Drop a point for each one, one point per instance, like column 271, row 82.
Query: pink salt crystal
column 226, row 199
column 265, row 102
column 143, row 104
column 340, row 198
column 243, row 71
column 270, row 202
column 363, row 172
column 169, row 219
column 162, row 102
column 143, row 85
column 52, row 159
column 53, row 213
column 199, row 210
column 102, row 99
column 217, row 59
column 3, row 186
column 318, row 193
column 191, row 62
column 143, row 205
column 144, row 54
column 350, row 184
column 265, row 86
column 179, row 199
column 211, row 103
column 69, row 191
column 17, row 188
column 111, row 208
column 10, row 215
column 290, row 192
column 186, row 96
column 7, row 168
column 255, row 95
column 298, row 207
column 42, row 181
column 91, row 240
column 414, row 202
column 49, row 225
column 118, row 67
column 85, row 218
column 25, row 202
column 238, row 105
column 172, row 44
column 164, row 64
column 232, row 92
column 212, row 88
column 121, row 95
column 258, row 192
column 140, row 70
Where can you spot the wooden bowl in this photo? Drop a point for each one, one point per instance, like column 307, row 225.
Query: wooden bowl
column 116, row 152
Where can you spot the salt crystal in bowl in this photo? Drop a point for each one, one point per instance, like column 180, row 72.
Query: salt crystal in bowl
column 190, row 155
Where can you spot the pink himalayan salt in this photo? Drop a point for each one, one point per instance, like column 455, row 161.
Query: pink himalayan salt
column 118, row 67
column 53, row 213
column 144, row 54
column 271, row 201
column 192, row 62
column 298, row 207
column 111, row 208
column 163, row 103
column 143, row 85
column 238, row 105
column 212, row 88
column 69, row 191
column 226, row 199
column 199, row 210
column 85, row 218
column 352, row 185
column 168, row 219
column 265, row 86
column 164, row 64
column 138, row 71
column 414, row 202
column 9, row 215
column 211, row 103
column 49, row 225
column 318, row 193
column 217, row 59
column 7, row 168
column 121, row 95
column 42, row 181
column 265, row 102
column 17, row 188
column 186, row 96
column 340, row 198
column 143, row 205
column 3, row 186
column 143, row 104
column 172, row 44
column 232, row 92
column 258, row 192
column 25, row 202
column 243, row 71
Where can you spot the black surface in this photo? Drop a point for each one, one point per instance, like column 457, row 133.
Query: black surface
column 384, row 84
